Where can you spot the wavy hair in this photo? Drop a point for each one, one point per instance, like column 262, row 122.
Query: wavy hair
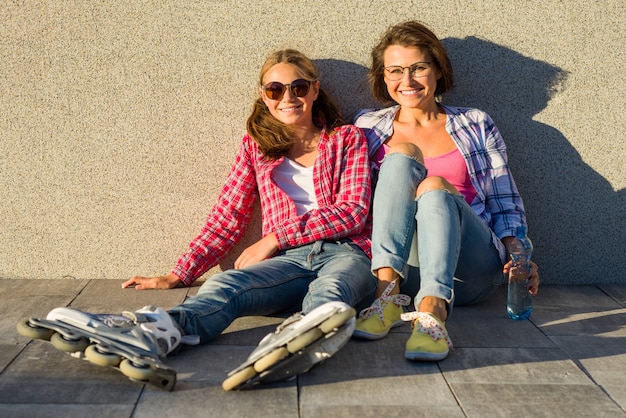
column 273, row 137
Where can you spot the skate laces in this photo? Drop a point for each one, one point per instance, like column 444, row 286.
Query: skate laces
column 379, row 304
column 290, row 320
column 293, row 318
column 427, row 324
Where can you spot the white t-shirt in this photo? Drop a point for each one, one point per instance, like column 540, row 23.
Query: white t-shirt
column 297, row 182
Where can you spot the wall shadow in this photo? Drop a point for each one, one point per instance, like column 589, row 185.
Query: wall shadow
column 345, row 81
column 574, row 215
column 573, row 212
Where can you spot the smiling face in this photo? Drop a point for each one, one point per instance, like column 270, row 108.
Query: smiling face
column 290, row 109
column 409, row 91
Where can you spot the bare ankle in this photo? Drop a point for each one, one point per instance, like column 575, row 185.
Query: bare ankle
column 436, row 306
column 387, row 275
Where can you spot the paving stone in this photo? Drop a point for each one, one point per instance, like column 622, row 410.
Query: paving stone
column 108, row 296
column 616, row 292
column 195, row 287
column 356, row 376
column 578, row 310
column 574, row 298
column 568, row 359
column 606, row 321
column 65, row 410
column 612, row 382
column 494, row 306
column 249, row 330
column 7, row 353
column 21, row 288
column 608, row 351
column 207, row 363
column 45, row 375
column 603, row 358
column 513, row 382
column 15, row 309
column 325, row 397
column 362, row 359
column 511, row 365
column 202, row 400
column 494, row 332
column 26, row 298
column 534, row 400
column 201, row 371
column 377, row 411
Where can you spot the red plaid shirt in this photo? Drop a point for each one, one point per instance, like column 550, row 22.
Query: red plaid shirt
column 341, row 176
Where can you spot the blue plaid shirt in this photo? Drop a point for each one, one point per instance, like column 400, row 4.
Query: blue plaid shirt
column 498, row 202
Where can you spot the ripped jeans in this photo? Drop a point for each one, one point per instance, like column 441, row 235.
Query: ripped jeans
column 296, row 279
column 436, row 243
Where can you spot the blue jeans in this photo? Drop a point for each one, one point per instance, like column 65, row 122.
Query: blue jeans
column 438, row 233
column 301, row 278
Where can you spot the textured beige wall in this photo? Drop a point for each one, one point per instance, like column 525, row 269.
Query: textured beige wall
column 119, row 120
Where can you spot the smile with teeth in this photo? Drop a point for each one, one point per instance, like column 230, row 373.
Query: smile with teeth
column 290, row 109
column 410, row 92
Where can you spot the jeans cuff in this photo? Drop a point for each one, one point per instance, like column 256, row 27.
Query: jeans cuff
column 389, row 260
column 436, row 290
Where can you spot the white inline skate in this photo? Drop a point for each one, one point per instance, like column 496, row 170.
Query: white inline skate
column 134, row 343
column 298, row 344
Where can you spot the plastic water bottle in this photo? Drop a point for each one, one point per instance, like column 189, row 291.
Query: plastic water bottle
column 519, row 301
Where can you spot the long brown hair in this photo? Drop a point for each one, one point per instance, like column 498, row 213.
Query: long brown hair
column 273, row 137
column 408, row 34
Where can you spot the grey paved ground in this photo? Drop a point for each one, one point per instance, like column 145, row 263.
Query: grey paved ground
column 568, row 360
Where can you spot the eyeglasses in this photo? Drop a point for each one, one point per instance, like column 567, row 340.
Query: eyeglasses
column 419, row 69
column 276, row 90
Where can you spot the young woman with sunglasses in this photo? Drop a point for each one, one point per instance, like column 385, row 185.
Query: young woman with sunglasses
column 445, row 204
column 312, row 174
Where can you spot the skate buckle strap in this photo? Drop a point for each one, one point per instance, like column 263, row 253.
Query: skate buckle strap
column 190, row 339
column 379, row 304
column 115, row 321
column 427, row 324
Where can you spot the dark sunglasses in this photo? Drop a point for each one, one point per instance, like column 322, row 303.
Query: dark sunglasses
column 276, row 90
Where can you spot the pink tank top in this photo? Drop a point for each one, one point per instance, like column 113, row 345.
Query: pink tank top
column 452, row 167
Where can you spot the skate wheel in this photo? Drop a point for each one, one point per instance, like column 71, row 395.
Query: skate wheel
column 303, row 340
column 239, row 378
column 337, row 320
column 101, row 358
column 269, row 360
column 136, row 372
column 69, row 345
column 34, row 332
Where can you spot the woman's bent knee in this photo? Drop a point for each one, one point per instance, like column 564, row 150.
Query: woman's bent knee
column 435, row 183
column 407, row 148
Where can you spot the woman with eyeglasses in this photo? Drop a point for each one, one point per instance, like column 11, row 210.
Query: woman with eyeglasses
column 445, row 203
column 312, row 175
